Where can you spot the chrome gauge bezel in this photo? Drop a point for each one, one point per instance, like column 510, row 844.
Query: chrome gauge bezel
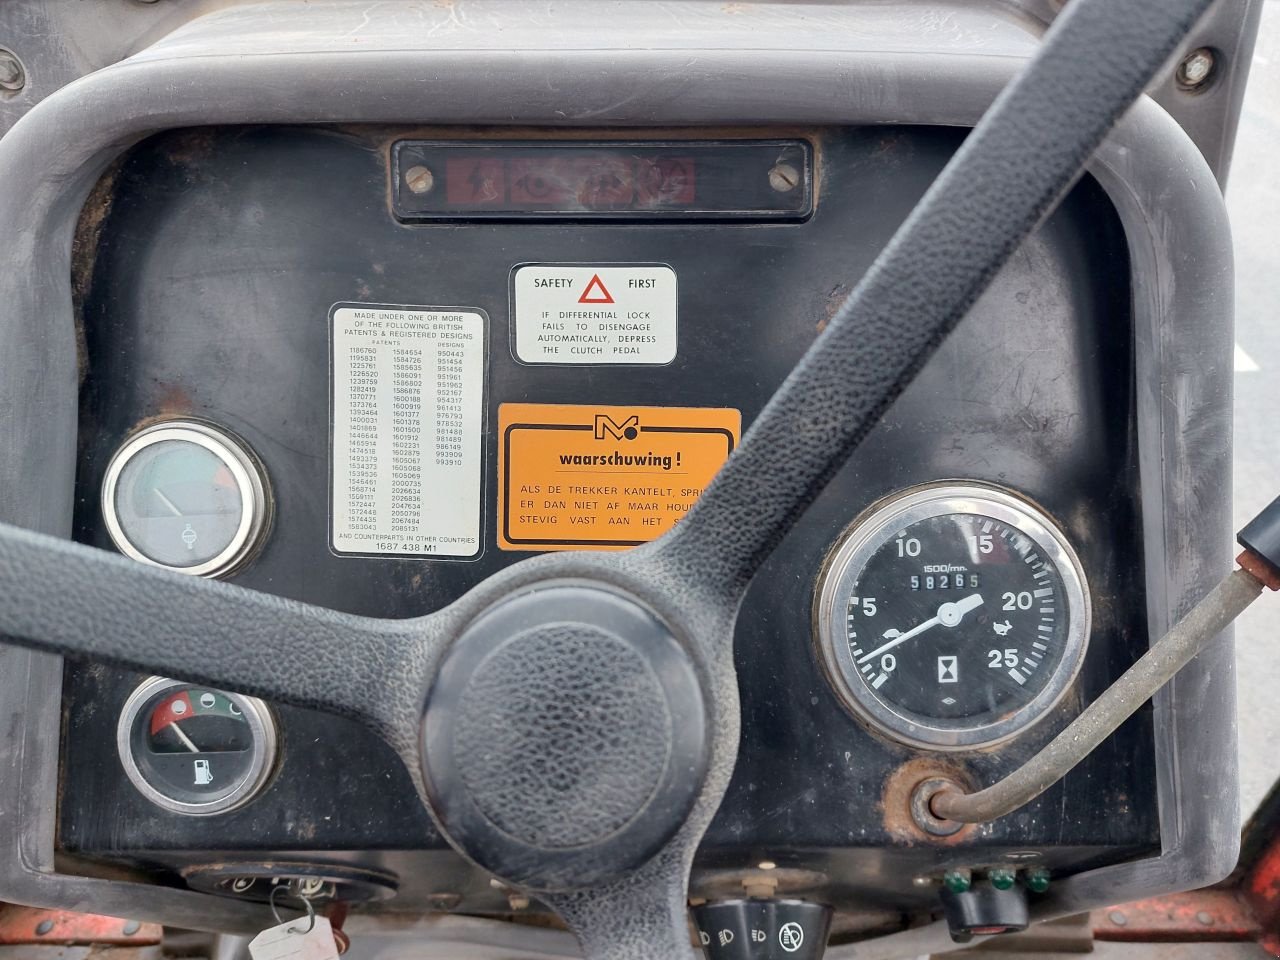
column 245, row 468
column 262, row 728
column 872, row 530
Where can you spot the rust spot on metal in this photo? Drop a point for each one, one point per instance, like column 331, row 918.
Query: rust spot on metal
column 1199, row 916
column 900, row 787
column 835, row 300
column 1259, row 569
column 84, row 253
column 28, row 925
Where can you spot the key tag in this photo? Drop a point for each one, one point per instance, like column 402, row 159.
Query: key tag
column 309, row 939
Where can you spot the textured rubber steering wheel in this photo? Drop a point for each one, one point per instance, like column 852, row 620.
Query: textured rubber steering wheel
column 572, row 722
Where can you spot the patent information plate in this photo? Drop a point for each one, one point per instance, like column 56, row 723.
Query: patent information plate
column 407, row 417
column 576, row 477
column 572, row 313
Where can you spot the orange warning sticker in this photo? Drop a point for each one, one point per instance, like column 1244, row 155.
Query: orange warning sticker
column 589, row 478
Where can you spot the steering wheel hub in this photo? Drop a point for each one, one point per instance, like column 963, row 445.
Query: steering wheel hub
column 565, row 738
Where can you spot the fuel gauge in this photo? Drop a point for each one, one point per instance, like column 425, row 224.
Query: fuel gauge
column 195, row 750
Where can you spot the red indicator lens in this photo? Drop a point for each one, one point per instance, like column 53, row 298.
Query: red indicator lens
column 475, row 181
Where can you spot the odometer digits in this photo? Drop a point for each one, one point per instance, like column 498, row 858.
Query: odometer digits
column 953, row 616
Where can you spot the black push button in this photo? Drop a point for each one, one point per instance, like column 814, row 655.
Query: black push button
column 984, row 910
column 763, row 929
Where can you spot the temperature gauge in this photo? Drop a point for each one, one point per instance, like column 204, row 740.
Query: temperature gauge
column 953, row 616
column 194, row 750
column 188, row 496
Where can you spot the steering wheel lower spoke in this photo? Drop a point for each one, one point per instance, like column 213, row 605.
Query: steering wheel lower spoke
column 641, row 917
column 82, row 602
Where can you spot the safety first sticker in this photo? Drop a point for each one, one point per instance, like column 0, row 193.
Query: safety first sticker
column 581, row 314
column 590, row 478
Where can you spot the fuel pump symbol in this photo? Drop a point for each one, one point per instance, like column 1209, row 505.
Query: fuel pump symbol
column 203, row 774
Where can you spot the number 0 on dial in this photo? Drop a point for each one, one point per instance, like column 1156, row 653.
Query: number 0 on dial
column 952, row 616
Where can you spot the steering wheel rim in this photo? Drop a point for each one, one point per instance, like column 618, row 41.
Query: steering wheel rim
column 1024, row 154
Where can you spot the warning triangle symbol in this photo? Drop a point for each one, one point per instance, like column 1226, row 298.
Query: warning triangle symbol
column 602, row 294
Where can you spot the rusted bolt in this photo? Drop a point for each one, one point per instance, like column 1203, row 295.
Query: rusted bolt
column 12, row 76
column 784, row 177
column 1205, row 918
column 43, row 927
column 419, row 179
column 1196, row 69
column 444, row 902
column 132, row 927
column 1118, row 918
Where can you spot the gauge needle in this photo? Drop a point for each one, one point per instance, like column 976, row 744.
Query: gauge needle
column 186, row 741
column 167, row 502
column 949, row 615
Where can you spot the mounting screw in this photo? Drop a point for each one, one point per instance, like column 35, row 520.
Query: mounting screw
column 43, row 927
column 419, row 179
column 1196, row 69
column 132, row 927
column 12, row 76
column 518, row 902
column 784, row 177
column 1118, row 918
column 1205, row 918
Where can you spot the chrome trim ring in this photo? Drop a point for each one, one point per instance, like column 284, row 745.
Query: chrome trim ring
column 874, row 528
column 245, row 468
column 262, row 727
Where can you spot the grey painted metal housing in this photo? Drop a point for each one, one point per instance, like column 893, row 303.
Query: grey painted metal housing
column 647, row 63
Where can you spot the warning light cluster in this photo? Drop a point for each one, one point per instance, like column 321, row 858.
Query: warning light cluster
column 592, row 181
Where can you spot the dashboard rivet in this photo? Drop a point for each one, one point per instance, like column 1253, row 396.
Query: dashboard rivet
column 419, row 179
column 1118, row 918
column 132, row 927
column 43, row 927
column 1205, row 918
column 12, row 76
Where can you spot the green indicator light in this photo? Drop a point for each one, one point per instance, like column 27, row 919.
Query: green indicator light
column 1037, row 879
column 957, row 881
column 1001, row 878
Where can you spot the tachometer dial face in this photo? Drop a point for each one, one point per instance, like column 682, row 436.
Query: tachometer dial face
column 187, row 496
column 953, row 616
column 195, row 750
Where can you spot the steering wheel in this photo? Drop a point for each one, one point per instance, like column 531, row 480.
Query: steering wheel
column 572, row 722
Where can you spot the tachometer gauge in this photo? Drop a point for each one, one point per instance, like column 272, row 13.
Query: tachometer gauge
column 195, row 750
column 952, row 616
column 188, row 496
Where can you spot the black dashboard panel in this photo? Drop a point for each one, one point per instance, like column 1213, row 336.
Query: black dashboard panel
column 209, row 261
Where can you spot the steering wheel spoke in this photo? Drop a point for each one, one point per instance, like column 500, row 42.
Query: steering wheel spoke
column 640, row 917
column 83, row 602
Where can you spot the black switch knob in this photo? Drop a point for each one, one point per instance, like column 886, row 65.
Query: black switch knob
column 984, row 910
column 763, row 929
